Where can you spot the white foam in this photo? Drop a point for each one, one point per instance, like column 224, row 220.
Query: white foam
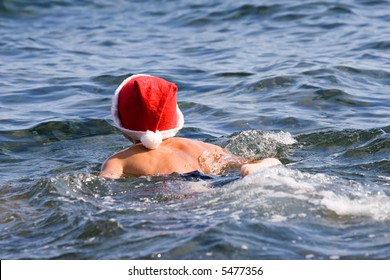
column 376, row 207
column 281, row 137
column 280, row 193
column 280, row 176
column 277, row 218
column 253, row 144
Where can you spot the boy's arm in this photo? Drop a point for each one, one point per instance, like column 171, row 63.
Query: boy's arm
column 250, row 168
column 226, row 159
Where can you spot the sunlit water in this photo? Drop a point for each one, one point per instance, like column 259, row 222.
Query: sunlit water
column 304, row 81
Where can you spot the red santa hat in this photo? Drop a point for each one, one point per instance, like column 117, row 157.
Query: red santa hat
column 145, row 109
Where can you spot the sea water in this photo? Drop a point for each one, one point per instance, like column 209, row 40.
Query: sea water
column 304, row 81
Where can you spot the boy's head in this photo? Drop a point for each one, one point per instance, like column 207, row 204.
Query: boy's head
column 145, row 109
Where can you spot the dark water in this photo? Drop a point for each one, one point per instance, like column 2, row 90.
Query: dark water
column 306, row 81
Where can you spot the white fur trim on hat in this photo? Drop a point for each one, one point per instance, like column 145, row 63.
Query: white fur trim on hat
column 149, row 139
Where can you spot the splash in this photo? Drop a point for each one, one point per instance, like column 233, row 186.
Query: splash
column 254, row 144
column 375, row 206
column 280, row 193
column 81, row 185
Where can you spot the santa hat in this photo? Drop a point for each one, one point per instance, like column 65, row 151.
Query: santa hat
column 145, row 109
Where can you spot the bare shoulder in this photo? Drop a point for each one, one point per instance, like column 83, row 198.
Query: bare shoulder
column 112, row 168
column 199, row 145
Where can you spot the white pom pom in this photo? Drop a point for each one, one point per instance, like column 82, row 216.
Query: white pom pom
column 151, row 140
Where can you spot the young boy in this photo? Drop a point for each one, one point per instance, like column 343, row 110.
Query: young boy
column 144, row 108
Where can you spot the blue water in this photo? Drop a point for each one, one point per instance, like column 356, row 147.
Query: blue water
column 305, row 81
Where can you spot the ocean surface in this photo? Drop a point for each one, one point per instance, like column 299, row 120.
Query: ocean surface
column 305, row 81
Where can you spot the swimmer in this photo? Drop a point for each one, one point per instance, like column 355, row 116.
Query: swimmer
column 144, row 108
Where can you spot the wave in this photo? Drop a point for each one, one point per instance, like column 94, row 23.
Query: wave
column 348, row 140
column 53, row 131
column 25, row 5
column 284, row 193
column 311, row 13
column 254, row 144
column 275, row 194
